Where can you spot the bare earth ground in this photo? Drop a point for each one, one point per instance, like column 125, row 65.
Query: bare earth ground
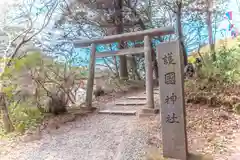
column 115, row 137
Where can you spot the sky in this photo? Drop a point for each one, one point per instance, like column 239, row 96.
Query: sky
column 236, row 17
column 231, row 7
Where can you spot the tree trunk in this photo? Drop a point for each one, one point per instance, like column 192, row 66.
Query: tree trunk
column 209, row 26
column 134, row 68
column 115, row 63
column 123, row 67
column 8, row 126
column 120, row 29
column 116, row 66
column 155, row 63
column 180, row 34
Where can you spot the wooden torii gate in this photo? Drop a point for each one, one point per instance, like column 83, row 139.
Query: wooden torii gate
column 139, row 35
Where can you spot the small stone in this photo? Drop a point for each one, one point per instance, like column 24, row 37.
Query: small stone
column 224, row 115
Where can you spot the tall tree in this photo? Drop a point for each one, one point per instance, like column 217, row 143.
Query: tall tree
column 119, row 30
column 176, row 7
column 19, row 39
column 210, row 11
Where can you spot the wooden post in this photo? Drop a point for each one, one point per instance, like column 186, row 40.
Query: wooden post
column 91, row 73
column 149, row 72
column 172, row 100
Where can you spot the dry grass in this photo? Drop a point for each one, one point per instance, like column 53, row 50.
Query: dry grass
column 210, row 131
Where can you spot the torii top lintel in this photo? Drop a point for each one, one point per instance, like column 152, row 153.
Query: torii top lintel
column 125, row 36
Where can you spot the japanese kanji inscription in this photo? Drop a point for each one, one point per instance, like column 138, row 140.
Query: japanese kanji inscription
column 168, row 58
column 170, row 78
column 172, row 100
column 171, row 118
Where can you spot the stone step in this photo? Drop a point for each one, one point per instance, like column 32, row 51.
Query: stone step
column 137, row 97
column 154, row 92
column 130, row 102
column 118, row 112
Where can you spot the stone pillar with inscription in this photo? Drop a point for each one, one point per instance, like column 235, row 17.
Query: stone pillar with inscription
column 172, row 106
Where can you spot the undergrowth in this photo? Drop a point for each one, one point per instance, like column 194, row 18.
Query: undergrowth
column 225, row 69
column 218, row 81
column 26, row 105
column 216, row 84
column 25, row 116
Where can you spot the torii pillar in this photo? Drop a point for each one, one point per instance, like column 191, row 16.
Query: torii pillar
column 149, row 108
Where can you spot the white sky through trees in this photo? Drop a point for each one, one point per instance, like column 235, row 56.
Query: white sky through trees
column 4, row 4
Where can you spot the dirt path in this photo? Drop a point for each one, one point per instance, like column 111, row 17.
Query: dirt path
column 235, row 147
column 95, row 137
column 116, row 137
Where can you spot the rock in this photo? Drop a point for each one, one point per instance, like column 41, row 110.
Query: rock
column 98, row 91
column 224, row 115
column 57, row 103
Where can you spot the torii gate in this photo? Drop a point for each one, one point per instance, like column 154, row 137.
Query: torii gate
column 139, row 35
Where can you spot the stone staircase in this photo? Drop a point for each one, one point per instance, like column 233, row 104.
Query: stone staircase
column 128, row 105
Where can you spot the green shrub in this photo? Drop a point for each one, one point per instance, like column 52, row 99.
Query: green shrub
column 236, row 108
column 226, row 68
column 24, row 116
column 45, row 71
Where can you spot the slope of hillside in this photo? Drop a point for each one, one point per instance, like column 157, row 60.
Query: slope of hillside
column 228, row 43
